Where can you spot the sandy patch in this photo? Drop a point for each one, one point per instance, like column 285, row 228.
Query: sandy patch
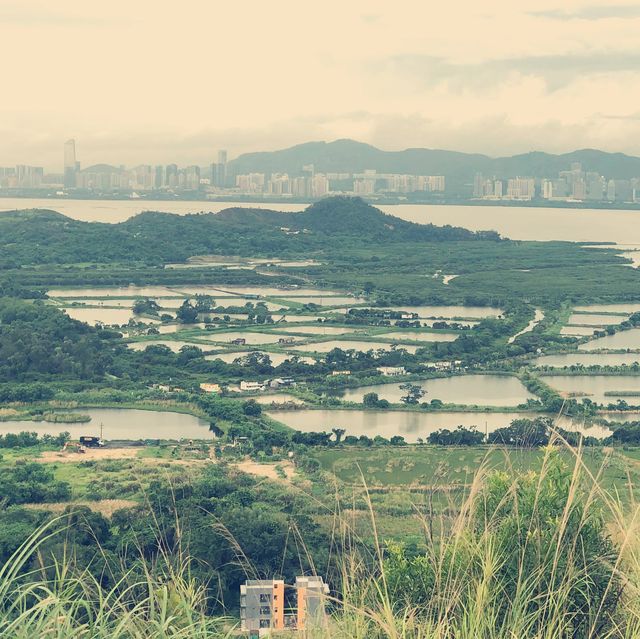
column 98, row 454
column 266, row 470
column 91, row 454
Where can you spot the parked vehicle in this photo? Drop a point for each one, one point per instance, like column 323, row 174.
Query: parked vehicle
column 91, row 442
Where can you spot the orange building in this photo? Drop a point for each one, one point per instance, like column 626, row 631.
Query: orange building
column 262, row 605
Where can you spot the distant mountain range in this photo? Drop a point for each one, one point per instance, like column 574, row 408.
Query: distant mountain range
column 344, row 156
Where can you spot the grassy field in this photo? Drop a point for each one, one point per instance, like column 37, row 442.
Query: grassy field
column 400, row 478
column 412, row 489
column 426, row 466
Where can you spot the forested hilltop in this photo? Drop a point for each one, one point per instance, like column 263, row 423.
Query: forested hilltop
column 40, row 237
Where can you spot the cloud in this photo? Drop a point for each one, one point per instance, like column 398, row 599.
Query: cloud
column 592, row 12
column 557, row 71
column 631, row 117
column 494, row 135
column 22, row 15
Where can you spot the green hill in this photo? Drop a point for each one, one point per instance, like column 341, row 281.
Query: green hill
column 41, row 237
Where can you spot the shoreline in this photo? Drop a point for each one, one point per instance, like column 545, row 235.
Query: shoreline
column 245, row 200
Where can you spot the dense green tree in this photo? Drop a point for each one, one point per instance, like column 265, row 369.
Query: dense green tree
column 31, row 483
column 187, row 313
column 413, row 393
column 370, row 400
column 252, row 408
column 525, row 433
column 461, row 436
column 146, row 306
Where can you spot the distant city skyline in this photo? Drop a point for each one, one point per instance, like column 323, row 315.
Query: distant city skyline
column 70, row 160
column 573, row 183
column 146, row 82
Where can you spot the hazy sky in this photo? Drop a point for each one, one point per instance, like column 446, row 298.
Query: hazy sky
column 156, row 81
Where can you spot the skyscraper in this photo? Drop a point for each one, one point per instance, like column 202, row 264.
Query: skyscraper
column 70, row 163
column 219, row 170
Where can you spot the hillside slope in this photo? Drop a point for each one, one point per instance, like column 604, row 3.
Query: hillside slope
column 41, row 237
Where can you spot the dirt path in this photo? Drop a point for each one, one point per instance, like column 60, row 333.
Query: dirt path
column 266, row 470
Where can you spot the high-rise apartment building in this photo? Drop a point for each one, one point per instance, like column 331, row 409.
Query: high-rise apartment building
column 482, row 188
column 619, row 191
column 251, row 182
column 319, row 185
column 171, row 176
column 521, row 188
column 70, row 164
column 158, row 182
column 219, row 170
column 189, row 178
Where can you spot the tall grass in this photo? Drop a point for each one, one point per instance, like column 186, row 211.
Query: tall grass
column 545, row 555
column 51, row 600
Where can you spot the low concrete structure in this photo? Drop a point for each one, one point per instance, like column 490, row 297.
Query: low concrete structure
column 251, row 386
column 391, row 371
column 282, row 382
column 261, row 606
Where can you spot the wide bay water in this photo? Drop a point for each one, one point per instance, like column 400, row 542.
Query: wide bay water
column 515, row 222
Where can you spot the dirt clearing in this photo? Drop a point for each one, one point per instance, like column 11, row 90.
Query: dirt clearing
column 266, row 470
column 91, row 454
